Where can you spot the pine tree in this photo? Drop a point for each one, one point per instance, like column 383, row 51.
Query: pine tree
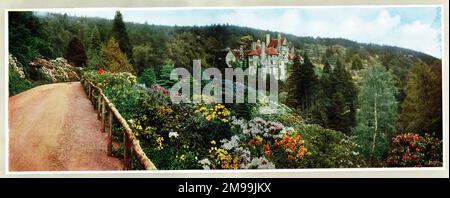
column 377, row 113
column 322, row 108
column 75, row 53
column 95, row 56
column 95, row 42
column 119, row 32
column 114, row 58
column 422, row 108
column 302, row 83
column 343, row 96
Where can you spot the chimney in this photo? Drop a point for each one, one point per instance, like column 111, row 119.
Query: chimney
column 267, row 39
column 241, row 51
column 263, row 48
column 253, row 45
column 279, row 40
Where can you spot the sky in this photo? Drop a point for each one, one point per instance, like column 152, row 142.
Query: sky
column 417, row 28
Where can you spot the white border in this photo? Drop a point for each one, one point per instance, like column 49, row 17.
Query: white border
column 323, row 172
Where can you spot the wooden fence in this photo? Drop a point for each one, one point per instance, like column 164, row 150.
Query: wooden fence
column 131, row 143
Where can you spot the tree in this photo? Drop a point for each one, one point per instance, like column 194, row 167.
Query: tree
column 322, row 108
column 142, row 55
column 302, row 82
column 343, row 94
column 356, row 62
column 75, row 53
column 422, row 107
column 25, row 36
column 119, row 32
column 114, row 58
column 377, row 113
column 95, row 42
column 95, row 56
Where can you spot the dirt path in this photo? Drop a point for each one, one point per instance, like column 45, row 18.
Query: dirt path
column 55, row 128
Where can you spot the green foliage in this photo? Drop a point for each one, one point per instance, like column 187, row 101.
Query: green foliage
column 164, row 76
column 422, row 108
column 184, row 48
column 413, row 150
column 356, row 62
column 75, row 53
column 17, row 84
column 95, row 55
column 377, row 113
column 302, row 82
column 115, row 60
column 343, row 96
column 147, row 77
column 329, row 148
column 142, row 56
column 119, row 32
column 25, row 37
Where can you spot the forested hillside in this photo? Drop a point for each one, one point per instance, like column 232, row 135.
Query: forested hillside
column 341, row 91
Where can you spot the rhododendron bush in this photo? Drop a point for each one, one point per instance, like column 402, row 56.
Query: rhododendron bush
column 413, row 150
column 212, row 136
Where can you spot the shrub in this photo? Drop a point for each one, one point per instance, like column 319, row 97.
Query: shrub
column 147, row 77
column 17, row 84
column 329, row 148
column 413, row 150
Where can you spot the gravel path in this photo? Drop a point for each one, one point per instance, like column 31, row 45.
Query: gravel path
column 55, row 128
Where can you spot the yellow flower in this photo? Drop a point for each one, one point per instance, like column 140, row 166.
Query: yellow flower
column 213, row 142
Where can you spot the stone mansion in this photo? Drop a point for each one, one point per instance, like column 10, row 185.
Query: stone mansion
column 269, row 56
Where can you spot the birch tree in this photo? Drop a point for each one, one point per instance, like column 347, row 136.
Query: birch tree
column 377, row 113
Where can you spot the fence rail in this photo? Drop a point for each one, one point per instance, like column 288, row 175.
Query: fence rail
column 131, row 143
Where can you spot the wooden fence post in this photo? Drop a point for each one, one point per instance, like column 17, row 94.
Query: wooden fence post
column 109, row 149
column 89, row 91
column 103, row 115
column 99, row 105
column 126, row 152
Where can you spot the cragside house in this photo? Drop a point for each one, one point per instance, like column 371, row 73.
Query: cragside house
column 271, row 57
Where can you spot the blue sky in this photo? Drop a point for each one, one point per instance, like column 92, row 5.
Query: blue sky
column 417, row 28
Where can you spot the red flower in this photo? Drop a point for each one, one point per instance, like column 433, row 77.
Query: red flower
column 101, row 71
column 165, row 91
column 414, row 156
column 395, row 161
column 388, row 161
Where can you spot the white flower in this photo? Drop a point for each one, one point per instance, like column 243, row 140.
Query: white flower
column 205, row 163
column 173, row 134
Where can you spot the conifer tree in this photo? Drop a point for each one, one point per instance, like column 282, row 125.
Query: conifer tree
column 95, row 57
column 115, row 60
column 343, row 96
column 75, row 53
column 302, row 83
column 422, row 108
column 119, row 32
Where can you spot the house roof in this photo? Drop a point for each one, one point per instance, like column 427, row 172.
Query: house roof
column 274, row 42
column 269, row 51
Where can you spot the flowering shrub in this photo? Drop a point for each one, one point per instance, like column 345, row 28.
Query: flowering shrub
column 186, row 136
column 413, row 150
column 293, row 146
column 214, row 112
column 101, row 71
